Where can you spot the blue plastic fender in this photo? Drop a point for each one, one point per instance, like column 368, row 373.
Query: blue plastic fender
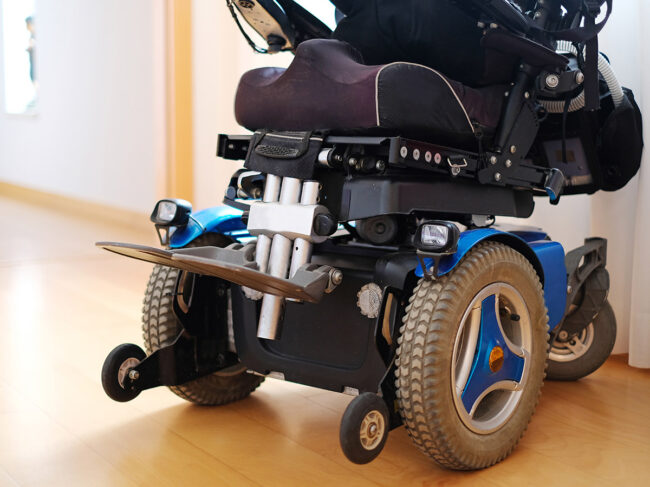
column 220, row 219
column 547, row 258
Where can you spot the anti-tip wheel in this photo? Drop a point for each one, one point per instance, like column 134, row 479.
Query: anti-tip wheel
column 364, row 428
column 117, row 365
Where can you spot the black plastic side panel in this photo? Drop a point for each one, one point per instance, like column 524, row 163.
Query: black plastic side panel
column 329, row 345
column 372, row 196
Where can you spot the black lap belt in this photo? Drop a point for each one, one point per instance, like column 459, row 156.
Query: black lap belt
column 285, row 154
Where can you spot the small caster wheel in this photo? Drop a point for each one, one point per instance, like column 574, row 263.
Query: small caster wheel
column 116, row 367
column 364, row 428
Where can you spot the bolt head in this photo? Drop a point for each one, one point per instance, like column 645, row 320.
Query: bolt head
column 552, row 81
column 381, row 165
column 563, row 335
column 337, row 277
column 508, row 163
column 134, row 374
column 580, row 77
column 526, row 95
column 352, row 161
column 498, row 177
column 493, row 160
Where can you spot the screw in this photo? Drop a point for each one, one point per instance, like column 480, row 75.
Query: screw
column 134, row 374
column 526, row 95
column 455, row 171
column 508, row 163
column 404, row 152
column 497, row 177
column 337, row 277
column 552, row 81
column 381, row 166
column 569, row 289
column 493, row 160
column 580, row 77
column 338, row 158
column 563, row 335
column 352, row 162
column 428, row 156
column 513, row 149
column 416, row 154
column 373, row 430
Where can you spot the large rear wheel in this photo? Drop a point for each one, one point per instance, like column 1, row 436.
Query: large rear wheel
column 161, row 327
column 471, row 358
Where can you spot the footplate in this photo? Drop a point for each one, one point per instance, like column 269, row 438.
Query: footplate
column 235, row 264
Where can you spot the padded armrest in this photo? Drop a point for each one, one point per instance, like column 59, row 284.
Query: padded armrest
column 531, row 52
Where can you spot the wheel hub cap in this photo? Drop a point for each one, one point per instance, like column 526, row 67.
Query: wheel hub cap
column 496, row 359
column 372, row 430
column 490, row 358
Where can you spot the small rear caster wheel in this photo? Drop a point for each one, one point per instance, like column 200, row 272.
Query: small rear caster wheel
column 115, row 371
column 364, row 428
column 586, row 352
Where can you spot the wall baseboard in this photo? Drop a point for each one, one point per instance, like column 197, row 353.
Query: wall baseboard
column 76, row 206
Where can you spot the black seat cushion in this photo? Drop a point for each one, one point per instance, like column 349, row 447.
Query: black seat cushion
column 327, row 87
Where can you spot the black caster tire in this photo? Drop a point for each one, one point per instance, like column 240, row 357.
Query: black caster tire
column 364, row 428
column 116, row 367
column 586, row 352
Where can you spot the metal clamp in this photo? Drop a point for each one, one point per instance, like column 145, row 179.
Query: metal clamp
column 456, row 168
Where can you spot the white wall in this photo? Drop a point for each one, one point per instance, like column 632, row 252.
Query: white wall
column 220, row 57
column 99, row 134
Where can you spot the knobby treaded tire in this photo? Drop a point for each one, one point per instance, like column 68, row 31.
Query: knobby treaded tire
column 424, row 355
column 599, row 351
column 160, row 328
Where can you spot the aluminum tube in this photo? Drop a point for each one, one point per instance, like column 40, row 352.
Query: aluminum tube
column 302, row 249
column 269, row 324
column 263, row 248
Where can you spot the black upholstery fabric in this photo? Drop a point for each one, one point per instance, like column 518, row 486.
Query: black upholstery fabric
column 285, row 154
column 434, row 33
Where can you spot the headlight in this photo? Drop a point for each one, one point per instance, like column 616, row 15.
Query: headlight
column 171, row 213
column 437, row 237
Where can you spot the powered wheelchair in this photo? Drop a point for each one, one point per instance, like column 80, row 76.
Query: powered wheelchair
column 358, row 250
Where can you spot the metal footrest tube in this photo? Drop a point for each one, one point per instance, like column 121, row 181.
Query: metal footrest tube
column 278, row 266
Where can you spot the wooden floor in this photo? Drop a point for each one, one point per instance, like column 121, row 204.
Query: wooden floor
column 64, row 305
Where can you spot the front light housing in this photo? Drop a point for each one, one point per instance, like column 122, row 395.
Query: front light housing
column 437, row 237
column 171, row 213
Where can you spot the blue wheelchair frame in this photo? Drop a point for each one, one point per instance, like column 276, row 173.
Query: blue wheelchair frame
column 546, row 256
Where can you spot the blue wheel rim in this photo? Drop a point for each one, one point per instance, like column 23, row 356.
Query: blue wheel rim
column 491, row 358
